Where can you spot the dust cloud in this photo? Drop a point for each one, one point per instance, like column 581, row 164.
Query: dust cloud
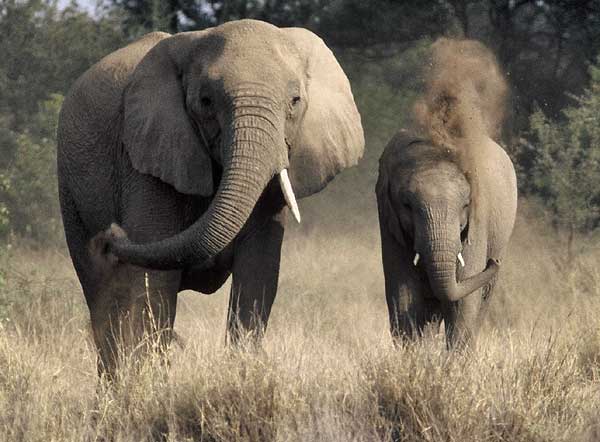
column 465, row 94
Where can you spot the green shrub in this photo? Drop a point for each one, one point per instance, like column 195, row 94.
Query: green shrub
column 566, row 167
column 28, row 191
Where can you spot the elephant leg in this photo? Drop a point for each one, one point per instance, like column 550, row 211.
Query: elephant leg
column 77, row 237
column 256, row 271
column 409, row 311
column 410, row 319
column 134, row 308
column 461, row 320
column 133, row 313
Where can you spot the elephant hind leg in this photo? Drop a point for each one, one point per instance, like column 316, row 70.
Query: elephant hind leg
column 78, row 237
column 134, row 314
column 123, row 308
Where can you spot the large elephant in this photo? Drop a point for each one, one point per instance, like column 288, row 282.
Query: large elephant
column 438, row 226
column 192, row 144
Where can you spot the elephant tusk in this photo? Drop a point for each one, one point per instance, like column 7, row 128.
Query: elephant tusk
column 460, row 259
column 288, row 194
column 416, row 260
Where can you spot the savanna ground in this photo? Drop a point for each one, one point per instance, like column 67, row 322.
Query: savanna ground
column 327, row 370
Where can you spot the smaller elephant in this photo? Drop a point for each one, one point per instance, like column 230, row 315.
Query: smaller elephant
column 444, row 230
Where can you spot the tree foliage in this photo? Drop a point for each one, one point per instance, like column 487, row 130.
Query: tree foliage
column 348, row 23
column 180, row 15
column 42, row 52
column 545, row 48
column 566, row 169
column 28, row 192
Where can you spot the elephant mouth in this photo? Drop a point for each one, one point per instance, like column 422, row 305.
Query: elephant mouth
column 213, row 141
column 464, row 236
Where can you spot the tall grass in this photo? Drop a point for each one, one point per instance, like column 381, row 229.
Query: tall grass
column 327, row 370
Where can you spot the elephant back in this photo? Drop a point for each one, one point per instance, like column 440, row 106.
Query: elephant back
column 401, row 140
column 93, row 105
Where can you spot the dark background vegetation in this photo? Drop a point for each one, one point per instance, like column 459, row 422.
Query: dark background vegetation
column 548, row 50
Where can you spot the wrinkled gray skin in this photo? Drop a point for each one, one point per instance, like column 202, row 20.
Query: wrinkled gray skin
column 179, row 140
column 426, row 206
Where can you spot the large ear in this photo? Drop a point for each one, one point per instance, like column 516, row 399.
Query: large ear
column 330, row 137
column 157, row 131
column 388, row 217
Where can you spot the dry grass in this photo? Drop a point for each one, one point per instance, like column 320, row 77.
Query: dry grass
column 327, row 370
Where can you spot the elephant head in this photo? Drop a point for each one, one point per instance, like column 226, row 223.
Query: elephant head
column 248, row 98
column 427, row 202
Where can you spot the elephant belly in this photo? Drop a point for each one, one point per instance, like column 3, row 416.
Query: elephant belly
column 208, row 280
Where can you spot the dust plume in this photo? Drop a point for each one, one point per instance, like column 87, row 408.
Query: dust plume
column 465, row 94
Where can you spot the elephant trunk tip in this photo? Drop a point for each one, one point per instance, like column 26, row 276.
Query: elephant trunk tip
column 469, row 285
column 103, row 247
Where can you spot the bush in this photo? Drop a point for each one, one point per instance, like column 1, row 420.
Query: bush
column 47, row 49
column 566, row 165
column 28, row 191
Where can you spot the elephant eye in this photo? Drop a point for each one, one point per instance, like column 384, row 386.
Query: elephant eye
column 295, row 100
column 205, row 101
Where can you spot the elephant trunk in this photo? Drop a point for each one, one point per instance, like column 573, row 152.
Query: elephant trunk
column 254, row 151
column 441, row 256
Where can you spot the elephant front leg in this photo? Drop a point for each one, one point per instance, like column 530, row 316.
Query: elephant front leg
column 408, row 310
column 461, row 320
column 134, row 308
column 255, row 274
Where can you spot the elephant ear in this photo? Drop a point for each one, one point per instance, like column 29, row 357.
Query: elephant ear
column 388, row 162
column 330, row 137
column 157, row 131
column 388, row 216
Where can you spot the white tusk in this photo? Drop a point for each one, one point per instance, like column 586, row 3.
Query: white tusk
column 460, row 259
column 288, row 193
column 416, row 260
